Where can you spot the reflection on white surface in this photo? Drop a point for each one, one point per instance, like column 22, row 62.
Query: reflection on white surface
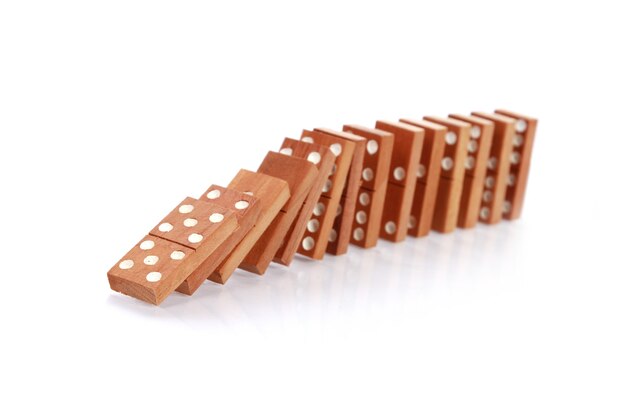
column 392, row 278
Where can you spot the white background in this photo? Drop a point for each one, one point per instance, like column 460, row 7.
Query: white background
column 112, row 112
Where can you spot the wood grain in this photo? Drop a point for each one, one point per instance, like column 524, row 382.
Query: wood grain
column 518, row 175
column 498, row 166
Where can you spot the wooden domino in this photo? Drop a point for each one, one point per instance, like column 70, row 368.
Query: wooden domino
column 300, row 175
column 374, row 176
column 316, row 240
column 523, row 140
column 347, row 205
column 324, row 159
column 498, row 165
column 272, row 194
column 452, row 173
column 428, row 173
column 331, row 188
column 173, row 250
column 405, row 156
column 478, row 148
column 246, row 209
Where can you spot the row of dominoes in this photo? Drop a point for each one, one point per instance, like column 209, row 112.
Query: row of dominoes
column 318, row 194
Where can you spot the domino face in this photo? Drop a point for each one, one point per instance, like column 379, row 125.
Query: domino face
column 478, row 148
column 343, row 221
column 300, row 176
column 498, row 165
column 374, row 176
column 428, row 173
column 408, row 142
column 452, row 173
column 272, row 194
column 174, row 249
column 317, row 237
column 523, row 142
column 324, row 159
column 246, row 208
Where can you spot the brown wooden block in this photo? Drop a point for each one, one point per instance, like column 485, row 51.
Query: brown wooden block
column 272, row 194
column 396, row 212
column 246, row 208
column 455, row 150
column 478, row 148
column 377, row 156
column 319, row 230
column 301, row 176
column 523, row 141
column 428, row 174
column 324, row 159
column 344, row 149
column 406, row 153
column 343, row 221
column 368, row 216
column 174, row 249
column 498, row 165
column 447, row 206
column 408, row 142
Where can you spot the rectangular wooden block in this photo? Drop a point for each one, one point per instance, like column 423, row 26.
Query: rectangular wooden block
column 523, row 141
column 333, row 189
column 246, row 208
column 368, row 217
column 324, row 159
column 478, row 148
column 301, row 176
column 173, row 250
column 343, row 221
column 377, row 156
column 319, row 230
column 498, row 165
column 374, row 177
column 447, row 206
column 455, row 151
column 272, row 194
column 428, row 174
column 408, row 142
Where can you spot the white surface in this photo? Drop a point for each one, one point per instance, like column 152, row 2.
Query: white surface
column 112, row 113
